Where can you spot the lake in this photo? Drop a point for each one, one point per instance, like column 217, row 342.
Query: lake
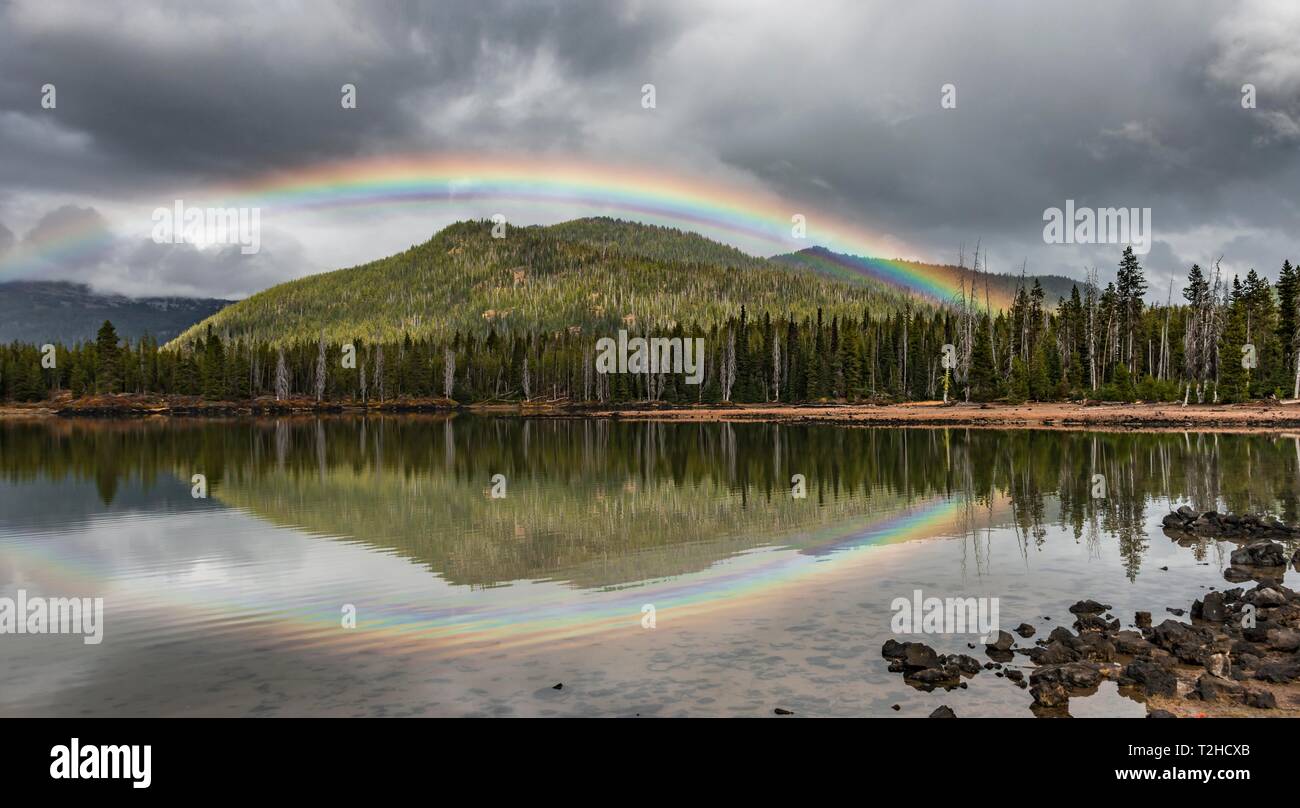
column 462, row 565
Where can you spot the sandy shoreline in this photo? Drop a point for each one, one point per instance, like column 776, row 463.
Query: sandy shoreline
column 1271, row 415
column 1256, row 416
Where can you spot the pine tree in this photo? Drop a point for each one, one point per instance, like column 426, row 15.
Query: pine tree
column 214, row 367
column 1018, row 383
column 108, row 362
column 1131, row 285
column 1232, row 376
column 1288, row 298
column 983, row 376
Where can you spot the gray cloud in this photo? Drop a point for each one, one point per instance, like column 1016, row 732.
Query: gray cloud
column 143, row 268
column 68, row 218
column 831, row 105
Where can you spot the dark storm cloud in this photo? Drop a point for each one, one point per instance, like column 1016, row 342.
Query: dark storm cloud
column 1108, row 105
column 182, row 269
column 172, row 89
column 833, row 105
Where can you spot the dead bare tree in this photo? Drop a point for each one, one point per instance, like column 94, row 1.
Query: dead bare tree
column 320, row 369
column 448, row 372
column 1090, row 301
column 281, row 377
column 728, row 377
column 1201, row 338
column 776, row 369
column 1163, row 372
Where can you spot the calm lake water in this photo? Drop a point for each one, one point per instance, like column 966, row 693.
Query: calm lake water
column 468, row 603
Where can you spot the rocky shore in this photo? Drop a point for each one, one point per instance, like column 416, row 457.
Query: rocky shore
column 141, row 406
column 1238, row 656
column 1255, row 416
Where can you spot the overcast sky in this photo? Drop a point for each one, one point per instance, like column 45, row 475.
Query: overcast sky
column 832, row 106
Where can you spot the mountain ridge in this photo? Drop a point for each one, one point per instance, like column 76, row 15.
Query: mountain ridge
column 594, row 274
column 67, row 312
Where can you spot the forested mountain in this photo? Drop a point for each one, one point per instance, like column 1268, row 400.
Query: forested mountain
column 58, row 311
column 587, row 276
column 474, row 318
column 653, row 241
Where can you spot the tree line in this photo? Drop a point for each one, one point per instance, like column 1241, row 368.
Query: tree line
column 1224, row 341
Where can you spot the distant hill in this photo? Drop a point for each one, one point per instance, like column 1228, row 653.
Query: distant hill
column 58, row 311
column 595, row 274
column 913, row 274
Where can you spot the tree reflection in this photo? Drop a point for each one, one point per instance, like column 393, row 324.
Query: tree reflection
column 603, row 502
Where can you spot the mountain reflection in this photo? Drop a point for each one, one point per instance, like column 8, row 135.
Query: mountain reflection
column 604, row 503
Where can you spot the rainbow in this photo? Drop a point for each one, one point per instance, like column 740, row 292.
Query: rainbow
column 464, row 181
column 469, row 186
column 932, row 280
column 67, row 244
column 528, row 614
column 736, row 583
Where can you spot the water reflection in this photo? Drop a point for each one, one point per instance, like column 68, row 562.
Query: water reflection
column 601, row 503
column 395, row 516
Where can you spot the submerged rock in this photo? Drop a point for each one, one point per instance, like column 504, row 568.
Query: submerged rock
column 1188, row 643
column 1151, row 678
column 1089, row 607
column 1091, row 622
column 926, row 669
column 1211, row 609
column 910, row 654
column 1071, row 675
column 920, row 655
column 1239, row 639
column 1049, row 694
column 1053, row 653
column 1262, row 553
column 1131, row 643
column 931, row 678
column 1003, row 642
column 1213, row 523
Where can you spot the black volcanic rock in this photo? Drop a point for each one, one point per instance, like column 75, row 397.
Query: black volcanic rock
column 1089, row 607
column 1260, row 554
